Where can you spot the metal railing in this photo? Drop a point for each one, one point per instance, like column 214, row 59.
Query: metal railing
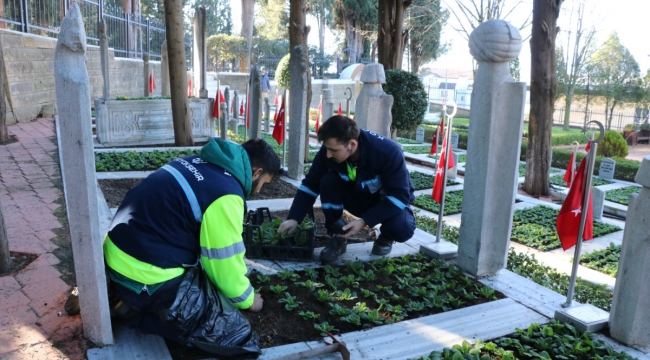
column 579, row 117
column 130, row 35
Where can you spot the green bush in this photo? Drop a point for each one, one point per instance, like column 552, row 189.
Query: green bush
column 630, row 127
column 613, row 145
column 410, row 99
column 282, row 76
column 625, row 169
column 645, row 126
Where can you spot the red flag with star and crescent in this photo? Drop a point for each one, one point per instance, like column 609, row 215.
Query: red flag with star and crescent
column 570, row 170
column 217, row 101
column 436, row 194
column 340, row 112
column 275, row 100
column 568, row 220
column 241, row 108
column 439, row 131
column 278, row 128
column 319, row 114
column 152, row 83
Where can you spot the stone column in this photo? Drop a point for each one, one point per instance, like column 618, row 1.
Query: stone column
column 164, row 69
column 231, row 121
column 103, row 54
column 145, row 71
column 297, row 113
column 223, row 121
column 235, row 100
column 200, row 61
column 267, row 114
column 630, row 313
column 372, row 110
column 78, row 168
column 494, row 143
column 328, row 105
column 256, row 104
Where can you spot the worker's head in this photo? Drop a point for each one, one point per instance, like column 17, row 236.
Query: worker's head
column 265, row 163
column 340, row 135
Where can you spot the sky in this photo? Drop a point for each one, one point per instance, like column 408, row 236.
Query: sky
column 630, row 18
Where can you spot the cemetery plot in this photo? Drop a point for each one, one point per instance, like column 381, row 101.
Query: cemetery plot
column 552, row 341
column 605, row 260
column 302, row 306
column 417, row 149
column 402, row 140
column 535, row 227
column 462, row 158
column 453, row 202
column 423, row 181
column 430, row 225
column 557, row 180
column 137, row 160
column 585, row 292
column 622, row 195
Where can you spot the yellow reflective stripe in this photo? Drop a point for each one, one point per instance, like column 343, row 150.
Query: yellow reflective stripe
column 135, row 269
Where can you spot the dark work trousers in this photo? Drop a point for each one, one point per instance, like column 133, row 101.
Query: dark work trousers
column 150, row 308
column 337, row 194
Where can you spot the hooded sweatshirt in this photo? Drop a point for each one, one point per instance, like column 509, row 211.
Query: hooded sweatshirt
column 189, row 210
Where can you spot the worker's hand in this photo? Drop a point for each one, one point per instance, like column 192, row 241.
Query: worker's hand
column 353, row 228
column 258, row 304
column 288, row 226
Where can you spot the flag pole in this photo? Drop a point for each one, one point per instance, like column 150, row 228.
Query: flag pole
column 583, row 214
column 447, row 150
column 575, row 151
column 247, row 109
column 284, row 136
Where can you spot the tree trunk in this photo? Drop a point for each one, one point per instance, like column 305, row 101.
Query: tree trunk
column 608, row 121
column 567, row 109
column 4, row 133
column 298, row 35
column 543, row 86
column 416, row 57
column 391, row 35
column 354, row 41
column 247, row 14
column 321, row 31
column 177, row 74
column 5, row 257
column 587, row 102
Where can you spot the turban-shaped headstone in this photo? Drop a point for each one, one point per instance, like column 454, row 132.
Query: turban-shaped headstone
column 495, row 41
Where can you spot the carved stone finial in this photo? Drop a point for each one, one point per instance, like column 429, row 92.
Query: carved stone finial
column 373, row 73
column 72, row 34
column 495, row 41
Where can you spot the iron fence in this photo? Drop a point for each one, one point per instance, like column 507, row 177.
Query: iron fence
column 578, row 118
column 130, row 35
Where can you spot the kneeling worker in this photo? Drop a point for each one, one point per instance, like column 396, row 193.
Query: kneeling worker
column 189, row 211
column 365, row 174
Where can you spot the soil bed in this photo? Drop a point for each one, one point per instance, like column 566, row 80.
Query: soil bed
column 18, row 262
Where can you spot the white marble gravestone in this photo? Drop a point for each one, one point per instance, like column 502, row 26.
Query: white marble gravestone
column 419, row 134
column 606, row 170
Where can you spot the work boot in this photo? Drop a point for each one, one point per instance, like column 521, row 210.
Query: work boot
column 334, row 249
column 382, row 245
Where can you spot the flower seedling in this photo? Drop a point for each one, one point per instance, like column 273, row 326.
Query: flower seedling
column 349, row 280
column 354, row 266
column 278, row 288
column 373, row 317
column 360, row 307
column 367, row 293
column 288, row 275
column 337, row 309
column 322, row 295
column 330, row 270
column 289, row 302
column 345, row 295
column 309, row 285
column 414, row 306
column 325, row 328
column 263, row 278
column 308, row 315
column 311, row 273
column 367, row 275
column 353, row 319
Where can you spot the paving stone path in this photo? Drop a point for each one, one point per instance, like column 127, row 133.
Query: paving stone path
column 30, row 300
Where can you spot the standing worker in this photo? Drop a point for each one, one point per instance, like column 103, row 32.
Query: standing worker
column 365, row 174
column 266, row 83
column 187, row 213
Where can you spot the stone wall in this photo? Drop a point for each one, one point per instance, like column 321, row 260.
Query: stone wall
column 29, row 66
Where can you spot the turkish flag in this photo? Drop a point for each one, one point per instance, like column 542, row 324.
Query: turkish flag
column 570, row 170
column 275, row 100
column 319, row 114
column 340, row 109
column 568, row 220
column 436, row 194
column 189, row 87
column 241, row 108
column 278, row 128
column 152, row 83
column 218, row 99
column 436, row 136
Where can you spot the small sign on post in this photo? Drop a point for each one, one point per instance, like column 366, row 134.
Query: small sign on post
column 419, row 134
column 454, row 141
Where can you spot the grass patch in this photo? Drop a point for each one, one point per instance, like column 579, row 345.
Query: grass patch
column 585, row 292
column 557, row 180
column 423, row 181
column 417, row 149
column 430, row 225
column 453, row 202
column 535, row 227
column 462, row 158
column 402, row 140
column 622, row 195
column 605, row 260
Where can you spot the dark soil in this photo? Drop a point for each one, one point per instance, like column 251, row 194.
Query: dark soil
column 18, row 262
column 12, row 139
column 114, row 190
column 276, row 189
